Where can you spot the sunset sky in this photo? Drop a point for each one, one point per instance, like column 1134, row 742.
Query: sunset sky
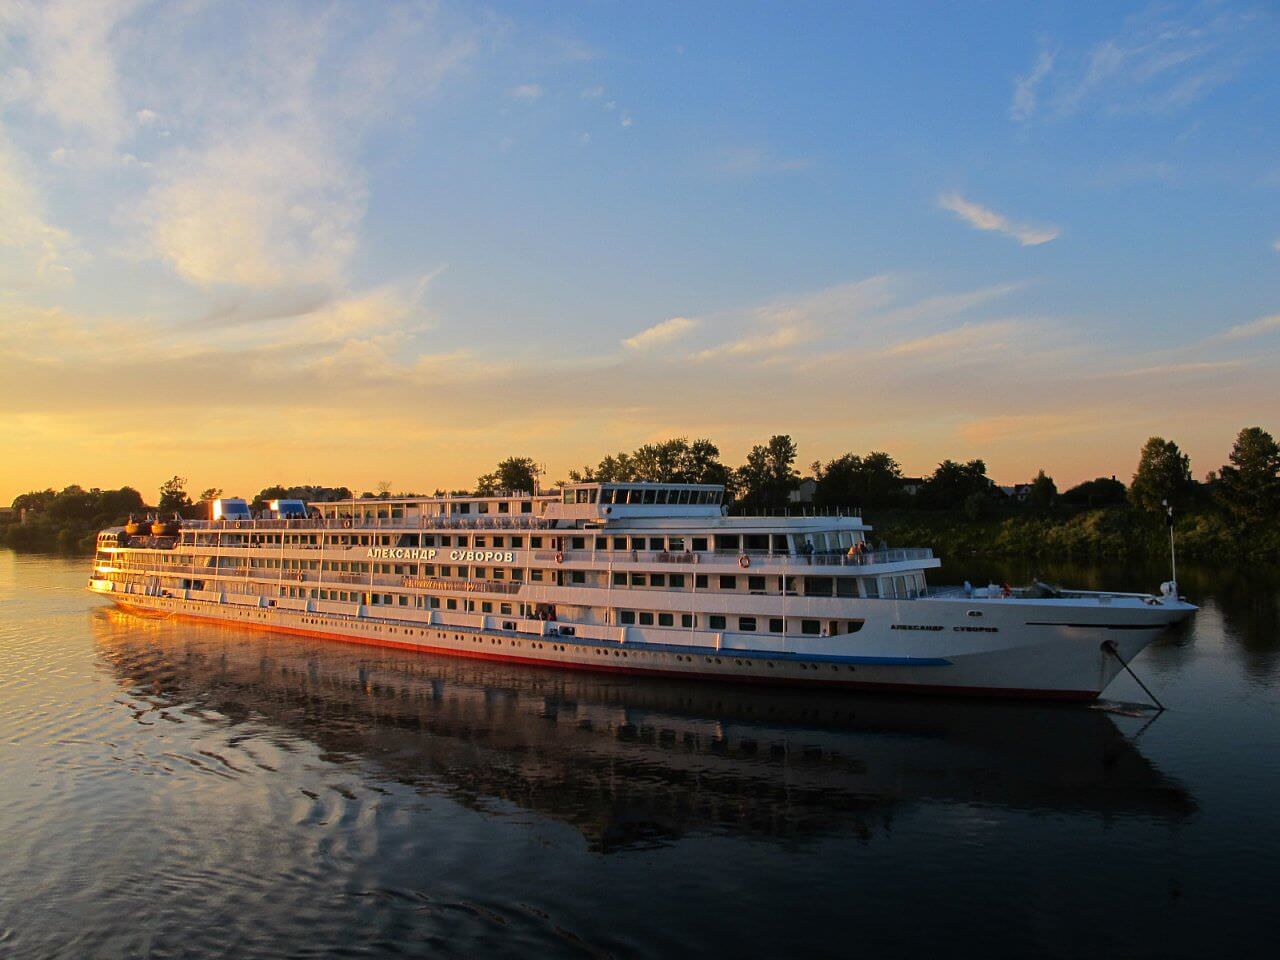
column 343, row 243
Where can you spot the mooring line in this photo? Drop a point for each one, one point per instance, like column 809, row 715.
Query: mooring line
column 1110, row 647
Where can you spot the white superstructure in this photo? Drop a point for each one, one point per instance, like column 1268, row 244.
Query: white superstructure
column 637, row 577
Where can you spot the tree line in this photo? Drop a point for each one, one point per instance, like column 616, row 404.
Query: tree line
column 1239, row 501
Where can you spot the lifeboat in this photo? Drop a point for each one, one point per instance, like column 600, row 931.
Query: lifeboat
column 136, row 527
column 165, row 528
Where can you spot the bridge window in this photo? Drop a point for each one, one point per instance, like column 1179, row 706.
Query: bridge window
column 675, row 581
column 666, row 620
column 747, row 624
column 699, row 544
column 728, row 582
column 716, row 621
column 776, row 625
column 646, row 618
column 626, row 616
column 619, row 579
column 810, row 627
column 686, row 620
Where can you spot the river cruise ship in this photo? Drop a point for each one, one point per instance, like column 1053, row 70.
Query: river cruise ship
column 641, row 578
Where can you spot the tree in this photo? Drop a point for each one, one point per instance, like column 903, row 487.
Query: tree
column 953, row 483
column 1164, row 473
column 1102, row 492
column 854, row 481
column 210, row 493
column 769, row 475
column 1043, row 492
column 513, row 473
column 1250, row 486
column 669, row 461
column 173, row 495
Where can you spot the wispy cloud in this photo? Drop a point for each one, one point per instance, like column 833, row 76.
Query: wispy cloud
column 1025, row 87
column 967, row 337
column 758, row 345
column 1255, row 328
column 525, row 91
column 984, row 218
column 593, row 92
column 1159, row 61
column 661, row 333
column 32, row 250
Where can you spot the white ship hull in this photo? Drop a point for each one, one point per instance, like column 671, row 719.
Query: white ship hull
column 1045, row 649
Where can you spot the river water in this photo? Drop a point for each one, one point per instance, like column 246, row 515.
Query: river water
column 169, row 789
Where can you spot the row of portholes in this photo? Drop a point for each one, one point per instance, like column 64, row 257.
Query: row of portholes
column 561, row 648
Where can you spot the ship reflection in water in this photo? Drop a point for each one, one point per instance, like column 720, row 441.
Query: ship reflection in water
column 633, row 762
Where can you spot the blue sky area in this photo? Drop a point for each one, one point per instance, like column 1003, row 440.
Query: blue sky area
column 352, row 242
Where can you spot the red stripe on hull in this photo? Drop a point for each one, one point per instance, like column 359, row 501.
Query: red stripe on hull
column 1016, row 693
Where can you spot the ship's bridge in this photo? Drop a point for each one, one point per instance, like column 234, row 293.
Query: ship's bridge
column 636, row 499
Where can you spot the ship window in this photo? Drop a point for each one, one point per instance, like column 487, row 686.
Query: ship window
column 650, row 496
column 619, row 543
column 464, row 508
column 499, row 573
column 482, row 507
column 846, row 587
column 675, row 581
column 699, row 581
column 606, row 496
column 433, row 602
column 526, row 507
column 403, row 600
column 747, row 624
column 818, row 586
column 535, row 575
column 715, row 621
column 517, row 573
column 505, row 609
column 480, row 542
column 535, row 543
column 567, row 496
column 637, row 579
column 811, row 627
column 727, row 542
column 756, row 541
column 619, row 579
column 684, row 496
column 666, row 620
column 498, row 541
column 504, row 507
column 646, row 618
column 662, row 496
column 577, row 543
column 657, row 579
column 871, row 586
column 855, row 625
column 676, row 544
column 776, row 625
column 699, row 544
column 728, row 582
column 626, row 616
column 577, row 576
column 486, row 607
column 755, row 584
column 656, row 543
column 517, row 543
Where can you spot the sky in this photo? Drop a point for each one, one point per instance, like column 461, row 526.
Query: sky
column 347, row 243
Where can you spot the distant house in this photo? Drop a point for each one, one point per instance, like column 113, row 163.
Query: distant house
column 910, row 485
column 1017, row 492
column 804, row 492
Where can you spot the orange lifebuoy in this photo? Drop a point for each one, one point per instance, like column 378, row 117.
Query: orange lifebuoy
column 559, row 558
column 744, row 561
